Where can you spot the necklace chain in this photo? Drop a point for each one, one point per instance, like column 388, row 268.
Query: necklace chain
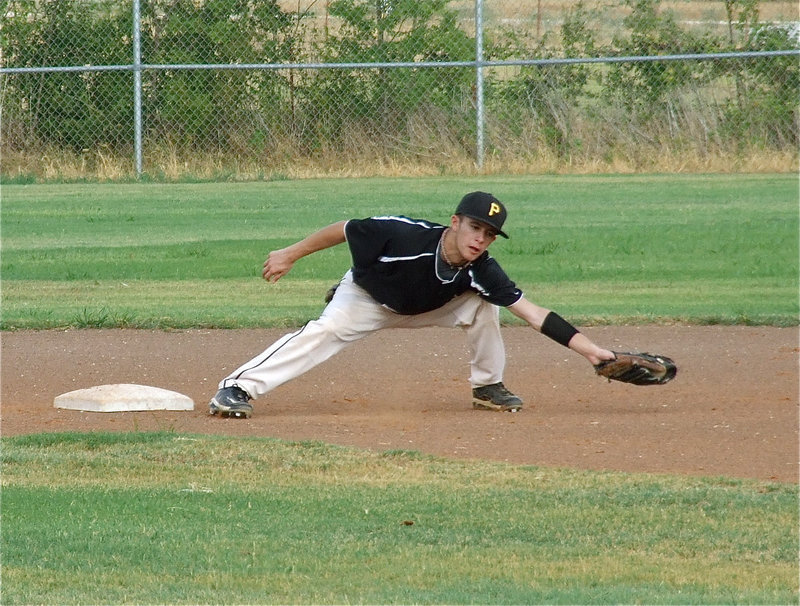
column 444, row 252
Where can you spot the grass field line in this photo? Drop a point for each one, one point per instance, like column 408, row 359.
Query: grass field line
column 610, row 248
column 143, row 517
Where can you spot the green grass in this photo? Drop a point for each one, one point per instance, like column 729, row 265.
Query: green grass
column 154, row 518
column 601, row 249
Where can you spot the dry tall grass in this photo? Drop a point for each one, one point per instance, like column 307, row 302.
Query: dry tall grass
column 164, row 165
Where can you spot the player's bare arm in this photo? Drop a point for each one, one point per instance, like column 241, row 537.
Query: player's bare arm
column 536, row 316
column 280, row 262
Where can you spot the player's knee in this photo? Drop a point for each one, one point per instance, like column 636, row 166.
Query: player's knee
column 334, row 326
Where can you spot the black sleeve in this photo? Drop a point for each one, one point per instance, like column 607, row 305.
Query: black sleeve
column 367, row 240
column 493, row 284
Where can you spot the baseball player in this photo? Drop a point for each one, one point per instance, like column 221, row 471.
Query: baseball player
column 406, row 273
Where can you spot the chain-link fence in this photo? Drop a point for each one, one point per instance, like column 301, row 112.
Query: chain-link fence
column 262, row 88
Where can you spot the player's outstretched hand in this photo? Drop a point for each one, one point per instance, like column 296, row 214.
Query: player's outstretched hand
column 277, row 265
column 601, row 355
column 581, row 344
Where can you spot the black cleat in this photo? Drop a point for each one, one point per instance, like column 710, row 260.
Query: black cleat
column 231, row 402
column 495, row 397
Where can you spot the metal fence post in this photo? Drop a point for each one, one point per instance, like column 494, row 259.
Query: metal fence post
column 479, row 83
column 137, row 87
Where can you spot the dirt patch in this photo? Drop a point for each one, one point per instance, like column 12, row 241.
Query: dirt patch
column 732, row 410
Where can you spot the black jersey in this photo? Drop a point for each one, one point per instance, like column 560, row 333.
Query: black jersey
column 396, row 260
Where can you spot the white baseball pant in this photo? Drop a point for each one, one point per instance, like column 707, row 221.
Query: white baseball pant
column 353, row 314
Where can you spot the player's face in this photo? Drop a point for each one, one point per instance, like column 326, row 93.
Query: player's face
column 473, row 237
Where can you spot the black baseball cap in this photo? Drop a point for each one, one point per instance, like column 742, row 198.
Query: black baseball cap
column 484, row 207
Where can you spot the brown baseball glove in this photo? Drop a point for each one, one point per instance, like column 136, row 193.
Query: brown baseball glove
column 638, row 368
column 331, row 292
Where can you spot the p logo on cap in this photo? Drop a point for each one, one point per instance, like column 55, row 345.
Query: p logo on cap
column 484, row 207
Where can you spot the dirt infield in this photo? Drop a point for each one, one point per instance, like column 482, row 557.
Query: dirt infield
column 732, row 410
